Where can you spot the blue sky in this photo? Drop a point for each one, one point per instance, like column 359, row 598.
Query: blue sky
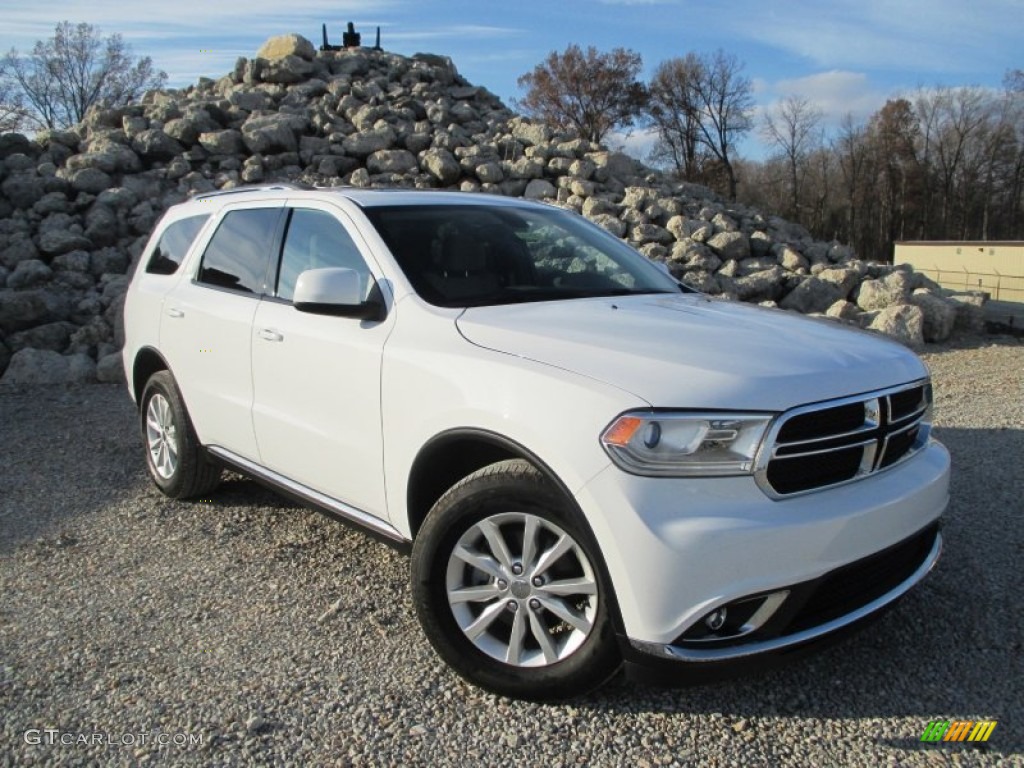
column 842, row 55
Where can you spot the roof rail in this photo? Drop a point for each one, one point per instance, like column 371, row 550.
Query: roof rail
column 277, row 185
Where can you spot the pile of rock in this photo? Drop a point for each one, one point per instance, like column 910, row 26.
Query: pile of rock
column 76, row 206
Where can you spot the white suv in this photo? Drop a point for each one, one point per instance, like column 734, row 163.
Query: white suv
column 590, row 463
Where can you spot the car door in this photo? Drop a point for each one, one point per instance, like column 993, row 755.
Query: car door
column 316, row 378
column 206, row 327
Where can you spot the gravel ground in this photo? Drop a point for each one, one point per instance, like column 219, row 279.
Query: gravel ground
column 255, row 631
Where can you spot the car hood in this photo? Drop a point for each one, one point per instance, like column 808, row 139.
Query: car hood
column 692, row 351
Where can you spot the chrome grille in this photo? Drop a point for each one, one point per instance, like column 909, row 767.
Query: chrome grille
column 827, row 444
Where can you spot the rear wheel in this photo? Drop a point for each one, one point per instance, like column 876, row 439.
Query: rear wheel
column 508, row 588
column 174, row 457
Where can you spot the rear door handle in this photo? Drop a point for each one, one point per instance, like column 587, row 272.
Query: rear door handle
column 175, row 312
column 270, row 334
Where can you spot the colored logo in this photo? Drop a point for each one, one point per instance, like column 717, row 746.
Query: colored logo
column 958, row 730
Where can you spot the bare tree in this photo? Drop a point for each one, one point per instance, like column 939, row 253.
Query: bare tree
column 65, row 75
column 794, row 129
column 591, row 93
column 725, row 103
column 675, row 114
column 12, row 111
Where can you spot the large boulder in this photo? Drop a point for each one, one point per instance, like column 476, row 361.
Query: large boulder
column 903, row 322
column 392, row 161
column 282, row 46
column 26, row 309
column 442, row 165
column 811, row 295
column 730, row 245
column 939, row 314
column 42, row 366
column 273, row 133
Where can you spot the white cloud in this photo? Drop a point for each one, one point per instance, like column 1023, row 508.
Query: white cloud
column 913, row 35
column 835, row 93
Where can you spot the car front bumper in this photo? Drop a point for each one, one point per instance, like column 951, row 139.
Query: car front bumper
column 678, row 549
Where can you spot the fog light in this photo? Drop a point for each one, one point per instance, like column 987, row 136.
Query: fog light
column 716, row 619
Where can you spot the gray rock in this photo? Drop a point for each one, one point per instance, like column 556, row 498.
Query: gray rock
column 792, row 259
column 730, row 245
column 811, row 295
column 539, row 189
column 595, row 206
column 110, row 369
column 844, row 279
column 19, row 248
column 226, row 142
column 29, row 274
column 761, row 244
column 52, row 336
column 56, row 241
column 903, row 322
column 75, row 261
column 5, row 357
column 52, row 202
column 23, row 189
column 156, row 144
column 41, row 366
column 101, row 225
column 650, row 233
column 273, row 133
column 767, row 284
column 970, row 312
column 392, row 161
column 442, row 165
column 489, row 173
column 281, row 46
column 365, row 144
column 109, row 261
column 610, row 223
column 25, row 309
column 287, row 70
column 879, row 294
column 187, row 128
column 939, row 314
column 844, row 310
column 91, row 180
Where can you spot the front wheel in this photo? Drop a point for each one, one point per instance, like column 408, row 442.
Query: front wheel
column 508, row 587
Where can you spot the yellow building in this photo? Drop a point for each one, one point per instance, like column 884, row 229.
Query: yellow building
column 995, row 267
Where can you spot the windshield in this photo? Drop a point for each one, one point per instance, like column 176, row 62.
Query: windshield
column 475, row 255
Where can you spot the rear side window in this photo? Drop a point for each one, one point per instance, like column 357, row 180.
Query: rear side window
column 174, row 244
column 238, row 255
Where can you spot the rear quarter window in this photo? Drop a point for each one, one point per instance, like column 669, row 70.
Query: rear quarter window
column 174, row 244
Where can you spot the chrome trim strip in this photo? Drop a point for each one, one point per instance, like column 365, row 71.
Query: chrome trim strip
column 688, row 655
column 313, row 497
column 820, row 452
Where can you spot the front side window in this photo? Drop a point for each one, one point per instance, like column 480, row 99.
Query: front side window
column 239, row 252
column 315, row 240
column 460, row 255
column 174, row 244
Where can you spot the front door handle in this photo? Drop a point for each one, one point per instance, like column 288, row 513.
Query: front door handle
column 270, row 334
column 175, row 312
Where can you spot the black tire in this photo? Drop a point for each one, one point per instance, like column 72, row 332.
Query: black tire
column 499, row 499
column 182, row 470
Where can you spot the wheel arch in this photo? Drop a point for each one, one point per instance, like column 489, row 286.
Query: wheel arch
column 147, row 362
column 454, row 454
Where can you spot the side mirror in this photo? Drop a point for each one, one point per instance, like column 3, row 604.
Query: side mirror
column 336, row 291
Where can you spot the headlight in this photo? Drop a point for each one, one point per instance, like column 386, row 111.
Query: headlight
column 686, row 444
